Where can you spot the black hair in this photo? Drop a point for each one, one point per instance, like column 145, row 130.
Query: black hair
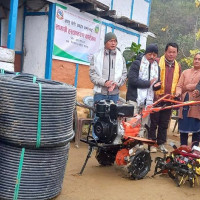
column 172, row 44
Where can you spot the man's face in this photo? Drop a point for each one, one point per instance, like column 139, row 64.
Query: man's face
column 171, row 53
column 151, row 56
column 196, row 61
column 111, row 44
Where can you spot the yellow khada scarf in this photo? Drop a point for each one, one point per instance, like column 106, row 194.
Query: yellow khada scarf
column 162, row 77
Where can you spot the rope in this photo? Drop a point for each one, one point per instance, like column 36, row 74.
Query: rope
column 19, row 175
column 2, row 71
column 39, row 116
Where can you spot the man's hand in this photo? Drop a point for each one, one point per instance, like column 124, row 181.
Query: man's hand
column 108, row 83
column 195, row 93
column 152, row 81
column 157, row 84
column 112, row 87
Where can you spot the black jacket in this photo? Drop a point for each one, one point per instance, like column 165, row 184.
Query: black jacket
column 134, row 82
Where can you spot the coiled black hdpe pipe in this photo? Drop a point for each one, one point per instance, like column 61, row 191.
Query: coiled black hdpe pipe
column 19, row 100
column 42, row 172
column 32, row 170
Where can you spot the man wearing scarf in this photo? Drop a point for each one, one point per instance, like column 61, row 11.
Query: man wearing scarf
column 143, row 80
column 169, row 75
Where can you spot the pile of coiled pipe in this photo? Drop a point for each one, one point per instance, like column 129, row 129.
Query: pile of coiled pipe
column 19, row 101
column 42, row 172
column 35, row 131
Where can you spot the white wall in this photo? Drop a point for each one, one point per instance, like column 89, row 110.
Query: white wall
column 107, row 2
column 123, row 8
column 143, row 40
column 4, row 33
column 35, row 39
column 35, row 42
column 18, row 42
column 140, row 11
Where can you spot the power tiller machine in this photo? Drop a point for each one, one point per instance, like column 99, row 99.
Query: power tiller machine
column 118, row 139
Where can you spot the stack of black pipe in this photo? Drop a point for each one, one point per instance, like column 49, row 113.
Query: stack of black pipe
column 36, row 118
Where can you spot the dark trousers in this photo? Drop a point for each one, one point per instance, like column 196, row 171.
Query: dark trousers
column 195, row 138
column 159, row 123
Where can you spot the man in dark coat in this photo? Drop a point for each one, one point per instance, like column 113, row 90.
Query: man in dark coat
column 143, row 79
column 135, row 82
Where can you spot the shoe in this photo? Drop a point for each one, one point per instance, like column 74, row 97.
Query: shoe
column 162, row 148
column 153, row 149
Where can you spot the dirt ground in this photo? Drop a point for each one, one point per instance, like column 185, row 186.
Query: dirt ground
column 112, row 183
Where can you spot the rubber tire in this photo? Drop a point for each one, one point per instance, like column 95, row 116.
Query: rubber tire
column 105, row 158
column 140, row 164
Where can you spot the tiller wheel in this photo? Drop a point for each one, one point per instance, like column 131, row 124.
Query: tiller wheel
column 106, row 157
column 140, row 164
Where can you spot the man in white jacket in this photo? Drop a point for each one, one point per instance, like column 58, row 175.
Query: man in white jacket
column 108, row 70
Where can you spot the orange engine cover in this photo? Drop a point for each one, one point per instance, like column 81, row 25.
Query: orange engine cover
column 129, row 130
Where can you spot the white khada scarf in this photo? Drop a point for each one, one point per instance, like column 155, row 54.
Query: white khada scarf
column 147, row 93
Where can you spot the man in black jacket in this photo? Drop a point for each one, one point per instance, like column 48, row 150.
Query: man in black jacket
column 143, row 80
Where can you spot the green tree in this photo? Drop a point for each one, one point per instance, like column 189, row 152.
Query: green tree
column 130, row 53
column 189, row 60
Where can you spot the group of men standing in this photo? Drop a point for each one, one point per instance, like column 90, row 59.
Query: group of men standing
column 149, row 78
